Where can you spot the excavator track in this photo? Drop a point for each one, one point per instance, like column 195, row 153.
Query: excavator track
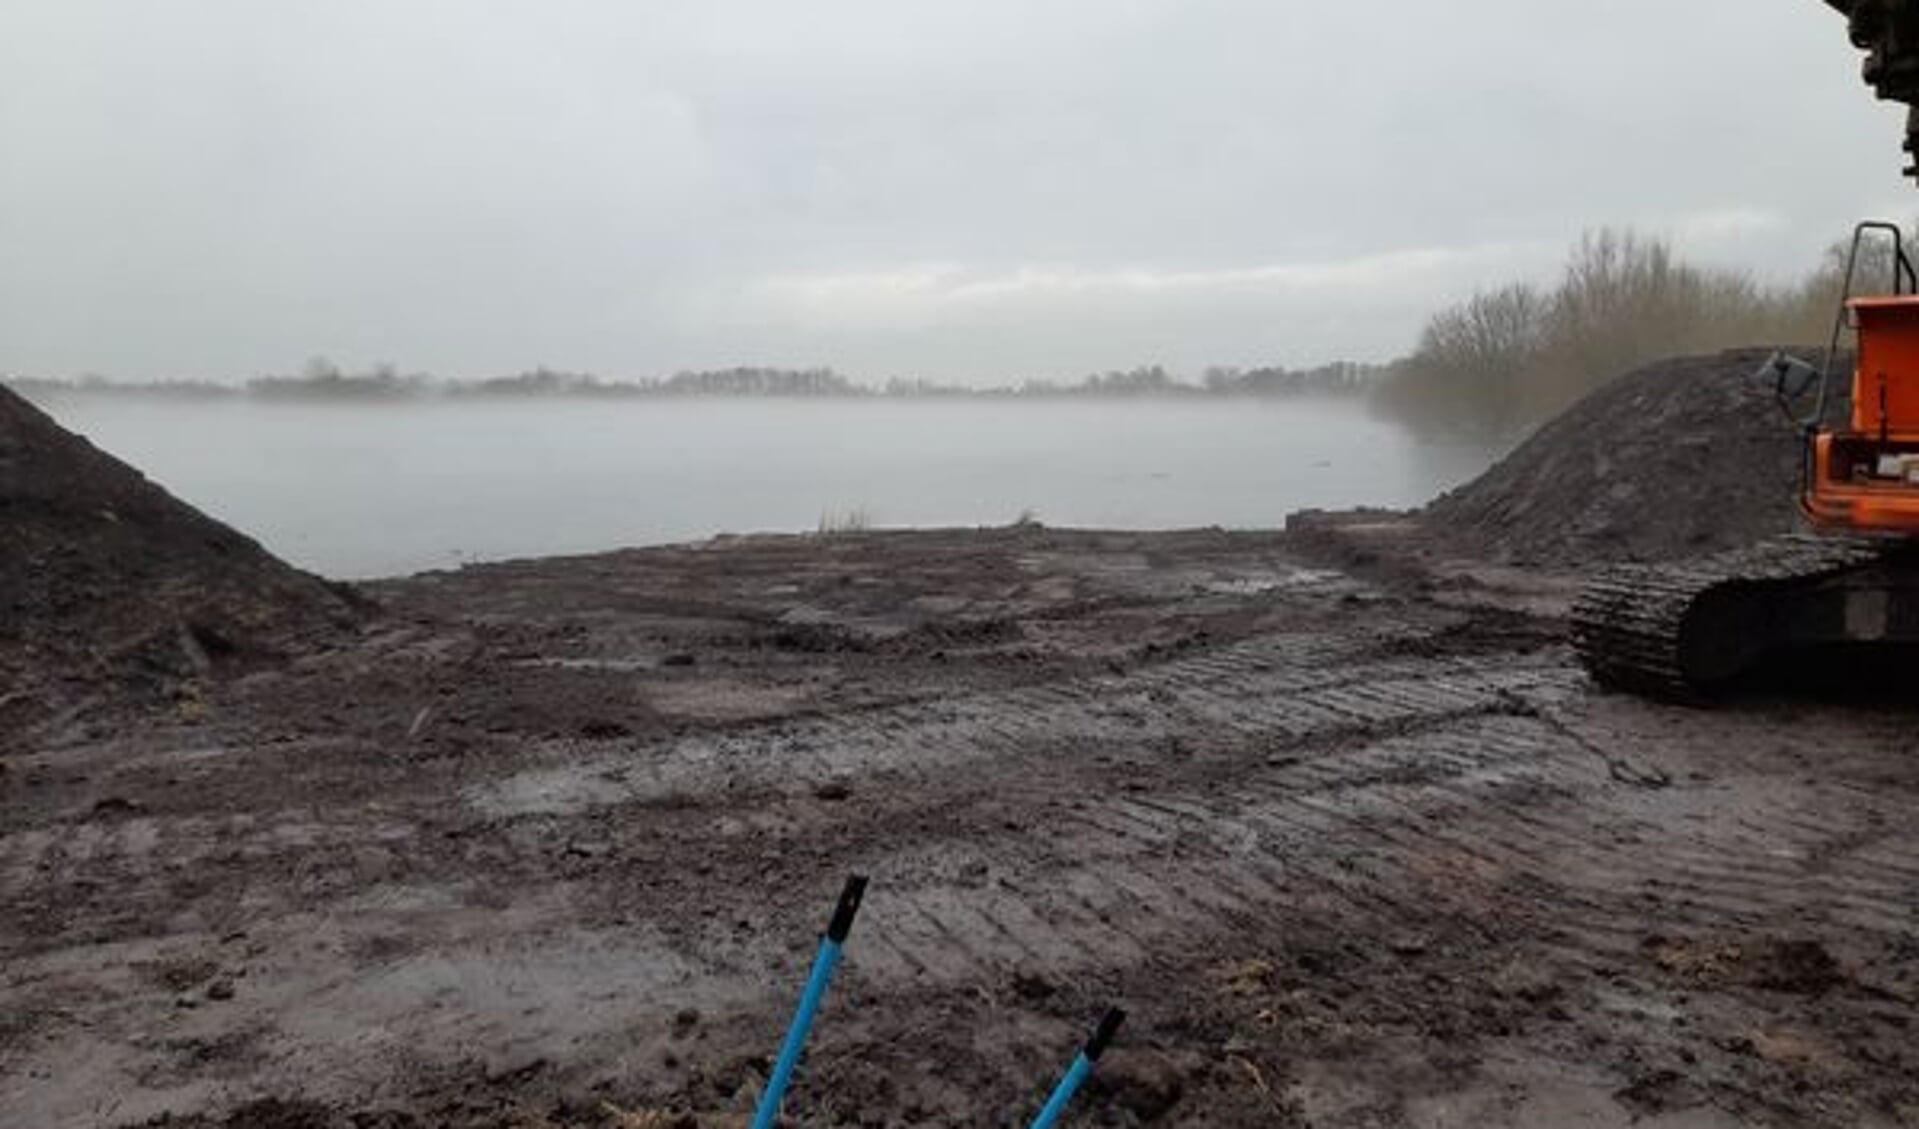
column 1672, row 631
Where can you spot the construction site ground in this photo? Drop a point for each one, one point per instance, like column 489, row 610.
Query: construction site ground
column 1345, row 830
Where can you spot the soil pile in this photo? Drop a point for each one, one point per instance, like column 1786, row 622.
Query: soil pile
column 1682, row 457
column 109, row 582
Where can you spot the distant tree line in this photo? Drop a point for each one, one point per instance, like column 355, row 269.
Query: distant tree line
column 1508, row 358
column 1495, row 364
column 321, row 379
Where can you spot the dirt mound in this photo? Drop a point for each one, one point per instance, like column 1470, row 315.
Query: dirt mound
column 1681, row 457
column 110, row 583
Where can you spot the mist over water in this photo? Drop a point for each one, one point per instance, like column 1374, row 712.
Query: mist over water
column 362, row 490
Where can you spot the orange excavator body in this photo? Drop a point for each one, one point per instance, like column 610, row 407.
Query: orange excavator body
column 1844, row 600
column 1864, row 478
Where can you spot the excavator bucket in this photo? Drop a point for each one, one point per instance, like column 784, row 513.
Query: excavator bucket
column 1888, row 32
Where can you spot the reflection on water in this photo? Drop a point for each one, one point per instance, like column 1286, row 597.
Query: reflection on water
column 356, row 490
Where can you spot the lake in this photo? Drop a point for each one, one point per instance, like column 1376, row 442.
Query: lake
column 357, row 490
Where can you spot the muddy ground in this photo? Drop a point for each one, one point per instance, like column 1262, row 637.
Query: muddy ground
column 1351, row 839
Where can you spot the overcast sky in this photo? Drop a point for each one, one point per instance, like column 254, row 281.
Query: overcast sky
column 976, row 190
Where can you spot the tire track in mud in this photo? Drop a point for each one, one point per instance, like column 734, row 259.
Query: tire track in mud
column 1480, row 810
column 1271, row 689
column 1078, row 881
column 1387, row 856
column 1424, row 796
column 1405, row 788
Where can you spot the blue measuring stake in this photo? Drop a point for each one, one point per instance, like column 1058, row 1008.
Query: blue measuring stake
column 822, row 975
column 1081, row 1069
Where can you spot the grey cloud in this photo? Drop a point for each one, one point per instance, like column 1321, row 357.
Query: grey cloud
column 981, row 190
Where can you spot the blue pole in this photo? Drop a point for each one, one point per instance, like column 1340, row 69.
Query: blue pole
column 1063, row 1093
column 1081, row 1069
column 816, row 983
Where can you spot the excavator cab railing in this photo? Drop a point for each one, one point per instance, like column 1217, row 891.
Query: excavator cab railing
column 1860, row 475
column 1794, row 380
column 1904, row 281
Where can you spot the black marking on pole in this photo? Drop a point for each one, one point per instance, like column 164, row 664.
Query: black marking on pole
column 848, row 907
column 1103, row 1034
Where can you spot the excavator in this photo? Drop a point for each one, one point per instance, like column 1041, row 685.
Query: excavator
column 1849, row 585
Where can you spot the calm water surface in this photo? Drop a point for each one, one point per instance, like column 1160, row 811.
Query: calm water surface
column 357, row 490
